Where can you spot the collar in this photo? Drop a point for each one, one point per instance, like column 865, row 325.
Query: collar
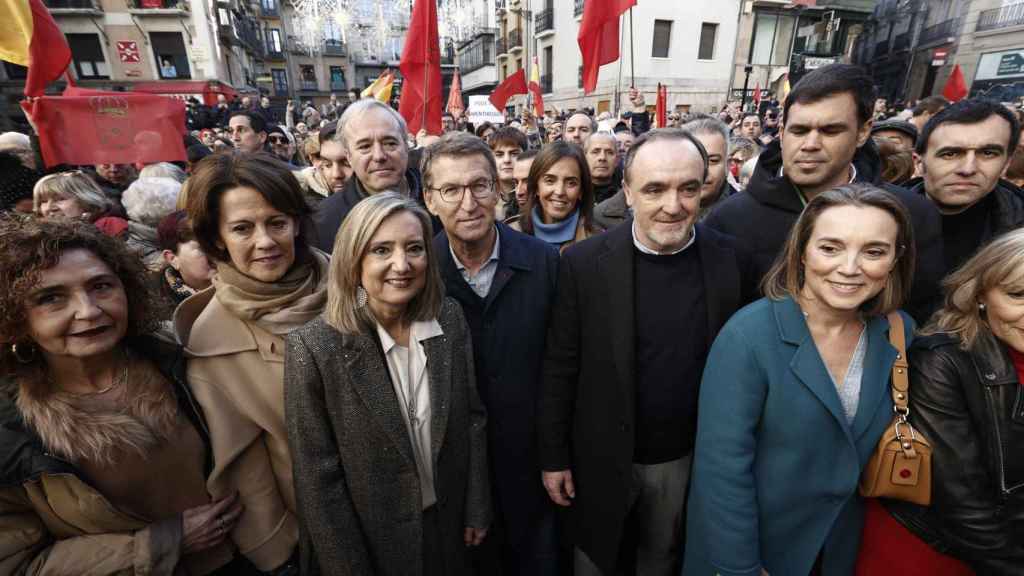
column 494, row 252
column 419, row 331
column 803, row 200
column 644, row 249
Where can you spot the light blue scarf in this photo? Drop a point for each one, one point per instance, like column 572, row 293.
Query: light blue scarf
column 557, row 233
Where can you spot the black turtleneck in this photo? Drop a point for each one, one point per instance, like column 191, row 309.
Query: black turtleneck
column 963, row 233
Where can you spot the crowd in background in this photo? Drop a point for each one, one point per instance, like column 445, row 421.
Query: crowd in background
column 569, row 344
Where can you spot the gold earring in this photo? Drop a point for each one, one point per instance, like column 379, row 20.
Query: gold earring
column 18, row 355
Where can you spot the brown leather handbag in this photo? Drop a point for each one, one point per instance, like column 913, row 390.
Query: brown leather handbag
column 901, row 467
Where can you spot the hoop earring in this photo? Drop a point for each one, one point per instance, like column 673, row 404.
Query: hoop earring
column 18, row 355
column 361, row 296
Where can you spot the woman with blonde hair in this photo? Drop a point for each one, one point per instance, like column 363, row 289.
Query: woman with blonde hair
column 966, row 398
column 384, row 421
column 71, row 195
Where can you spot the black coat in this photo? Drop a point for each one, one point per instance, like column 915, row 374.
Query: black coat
column 970, row 406
column 331, row 212
column 761, row 217
column 586, row 416
column 508, row 329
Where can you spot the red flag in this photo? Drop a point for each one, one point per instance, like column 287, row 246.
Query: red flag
column 455, row 105
column 955, row 88
column 599, row 37
column 538, row 94
column 29, row 37
column 514, row 84
column 661, row 107
column 421, row 70
column 96, row 127
column 757, row 95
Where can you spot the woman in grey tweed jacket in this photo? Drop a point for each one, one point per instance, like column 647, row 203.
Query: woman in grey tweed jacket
column 385, row 425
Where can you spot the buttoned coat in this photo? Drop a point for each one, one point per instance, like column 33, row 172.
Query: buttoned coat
column 776, row 467
column 587, row 413
column 356, row 481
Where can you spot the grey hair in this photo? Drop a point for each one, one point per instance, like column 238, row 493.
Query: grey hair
column 362, row 106
column 608, row 135
column 76, row 185
column 745, row 144
column 163, row 170
column 593, row 122
column 661, row 134
column 148, row 200
column 710, row 126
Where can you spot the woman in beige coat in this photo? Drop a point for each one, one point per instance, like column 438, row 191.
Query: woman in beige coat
column 249, row 216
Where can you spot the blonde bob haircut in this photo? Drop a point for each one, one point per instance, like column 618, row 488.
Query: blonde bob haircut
column 343, row 310
column 75, row 184
column 1000, row 264
column 786, row 277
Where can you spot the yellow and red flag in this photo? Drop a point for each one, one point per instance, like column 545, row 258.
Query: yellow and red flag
column 30, row 37
column 381, row 87
column 538, row 98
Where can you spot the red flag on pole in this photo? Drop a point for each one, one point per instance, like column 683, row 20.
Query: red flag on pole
column 421, row 70
column 661, row 107
column 514, row 84
column 757, row 95
column 30, row 37
column 97, row 127
column 455, row 105
column 599, row 37
column 955, row 88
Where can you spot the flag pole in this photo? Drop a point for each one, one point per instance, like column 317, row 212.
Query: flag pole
column 618, row 82
column 632, row 61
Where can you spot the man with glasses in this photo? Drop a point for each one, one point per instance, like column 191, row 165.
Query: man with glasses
column 505, row 282
column 281, row 145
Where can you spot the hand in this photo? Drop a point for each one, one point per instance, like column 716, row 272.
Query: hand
column 420, row 136
column 205, row 526
column 290, row 106
column 637, row 99
column 559, row 486
column 474, row 536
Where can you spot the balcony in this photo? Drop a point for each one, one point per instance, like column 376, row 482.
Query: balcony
column 72, row 5
column 500, row 46
column 500, row 6
column 902, row 42
column 334, row 48
column 938, row 34
column 1004, row 17
column 577, row 7
column 309, row 86
column 515, row 40
column 544, row 21
column 157, row 6
column 545, row 84
column 271, row 54
column 269, row 10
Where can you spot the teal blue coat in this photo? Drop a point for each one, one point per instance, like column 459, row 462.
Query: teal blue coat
column 776, row 465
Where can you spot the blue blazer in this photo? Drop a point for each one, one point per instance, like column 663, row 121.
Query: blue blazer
column 776, row 465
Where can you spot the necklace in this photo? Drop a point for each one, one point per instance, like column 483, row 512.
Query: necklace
column 114, row 383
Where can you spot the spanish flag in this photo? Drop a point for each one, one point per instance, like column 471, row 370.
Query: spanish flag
column 381, row 87
column 535, row 89
column 29, row 37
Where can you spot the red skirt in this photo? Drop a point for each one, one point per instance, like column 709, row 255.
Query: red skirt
column 887, row 547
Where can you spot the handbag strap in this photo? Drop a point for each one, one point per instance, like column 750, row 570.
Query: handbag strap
column 900, row 368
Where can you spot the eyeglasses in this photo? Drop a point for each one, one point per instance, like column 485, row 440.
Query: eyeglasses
column 481, row 189
column 277, row 139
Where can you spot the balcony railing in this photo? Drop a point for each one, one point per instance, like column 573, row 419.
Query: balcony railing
column 271, row 54
column 577, row 7
column 334, row 48
column 940, row 31
column 545, row 84
column 500, row 5
column 545, row 21
column 515, row 39
column 500, row 46
column 1004, row 17
column 70, row 5
column 309, row 85
column 902, row 42
column 158, row 5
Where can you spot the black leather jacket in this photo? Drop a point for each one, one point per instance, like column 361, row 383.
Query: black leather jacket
column 970, row 406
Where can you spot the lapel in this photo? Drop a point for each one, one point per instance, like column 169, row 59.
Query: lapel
column 721, row 280
column 806, row 363
column 510, row 259
column 615, row 269
column 875, row 384
column 439, row 368
column 372, row 382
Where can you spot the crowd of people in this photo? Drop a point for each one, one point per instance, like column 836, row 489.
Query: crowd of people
column 564, row 345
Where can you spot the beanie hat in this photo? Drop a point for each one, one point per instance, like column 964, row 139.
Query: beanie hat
column 16, row 180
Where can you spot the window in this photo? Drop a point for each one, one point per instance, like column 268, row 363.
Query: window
column 773, row 35
column 708, row 32
column 280, row 77
column 269, row 6
column 274, row 41
column 88, row 56
column 169, row 50
column 337, row 78
column 308, row 75
column 662, row 36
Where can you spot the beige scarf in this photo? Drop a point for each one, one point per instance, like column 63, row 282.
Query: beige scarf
column 277, row 307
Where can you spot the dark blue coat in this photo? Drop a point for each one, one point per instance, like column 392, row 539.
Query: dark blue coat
column 508, row 330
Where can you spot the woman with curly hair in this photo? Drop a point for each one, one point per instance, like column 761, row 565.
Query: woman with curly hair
column 105, row 453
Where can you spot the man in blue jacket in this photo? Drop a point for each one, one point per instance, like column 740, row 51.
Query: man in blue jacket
column 505, row 282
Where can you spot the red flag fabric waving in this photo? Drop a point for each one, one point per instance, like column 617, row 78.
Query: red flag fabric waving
column 421, row 70
column 514, row 84
column 955, row 88
column 599, row 37
column 455, row 105
column 30, row 37
column 757, row 95
column 661, row 106
column 96, row 127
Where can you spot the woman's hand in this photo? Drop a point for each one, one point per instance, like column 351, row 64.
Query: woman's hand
column 205, row 526
column 474, row 536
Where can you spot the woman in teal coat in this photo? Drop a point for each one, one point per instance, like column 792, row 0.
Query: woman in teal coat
column 795, row 396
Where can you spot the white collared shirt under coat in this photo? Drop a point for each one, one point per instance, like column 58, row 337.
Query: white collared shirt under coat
column 411, row 380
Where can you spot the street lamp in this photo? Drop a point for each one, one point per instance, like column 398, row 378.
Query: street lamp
column 746, row 82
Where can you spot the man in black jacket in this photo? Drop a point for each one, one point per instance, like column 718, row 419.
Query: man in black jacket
column 373, row 135
column 962, row 153
column 824, row 142
column 618, row 405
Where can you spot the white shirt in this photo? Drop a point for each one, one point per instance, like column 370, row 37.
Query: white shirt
column 643, row 248
column 409, row 375
column 481, row 282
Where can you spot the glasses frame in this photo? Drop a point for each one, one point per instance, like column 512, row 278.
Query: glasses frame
column 462, row 188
